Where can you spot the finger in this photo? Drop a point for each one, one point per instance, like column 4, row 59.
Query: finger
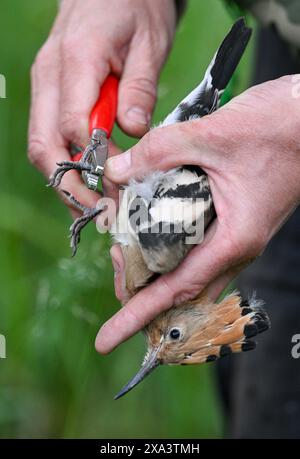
column 138, row 88
column 134, row 316
column 46, row 145
column 217, row 286
column 213, row 290
column 202, row 265
column 119, row 270
column 164, row 148
column 81, row 78
column 113, row 149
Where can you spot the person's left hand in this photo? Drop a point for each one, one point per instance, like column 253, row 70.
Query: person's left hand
column 89, row 40
column 251, row 154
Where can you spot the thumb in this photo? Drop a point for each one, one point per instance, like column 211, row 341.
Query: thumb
column 138, row 89
column 163, row 148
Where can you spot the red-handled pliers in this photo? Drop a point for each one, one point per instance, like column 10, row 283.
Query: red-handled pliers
column 101, row 123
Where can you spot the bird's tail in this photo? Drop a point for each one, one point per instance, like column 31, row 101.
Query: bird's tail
column 205, row 98
column 228, row 328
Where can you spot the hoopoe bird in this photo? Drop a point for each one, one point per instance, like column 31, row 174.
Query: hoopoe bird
column 156, row 228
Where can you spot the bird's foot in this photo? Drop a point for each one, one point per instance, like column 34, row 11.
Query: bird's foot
column 65, row 166
column 77, row 226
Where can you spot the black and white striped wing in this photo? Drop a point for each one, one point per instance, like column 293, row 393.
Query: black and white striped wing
column 205, row 98
column 177, row 202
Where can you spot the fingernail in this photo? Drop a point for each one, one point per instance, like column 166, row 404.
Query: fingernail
column 138, row 115
column 118, row 164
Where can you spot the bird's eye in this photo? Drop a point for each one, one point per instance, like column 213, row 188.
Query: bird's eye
column 175, row 333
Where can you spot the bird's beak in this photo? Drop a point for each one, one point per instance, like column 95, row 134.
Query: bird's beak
column 148, row 366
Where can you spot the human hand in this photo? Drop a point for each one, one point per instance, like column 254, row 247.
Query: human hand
column 89, row 40
column 250, row 152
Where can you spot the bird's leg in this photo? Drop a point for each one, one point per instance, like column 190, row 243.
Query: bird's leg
column 88, row 215
column 65, row 166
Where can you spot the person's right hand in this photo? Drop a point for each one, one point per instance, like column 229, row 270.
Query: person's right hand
column 89, row 40
column 250, row 152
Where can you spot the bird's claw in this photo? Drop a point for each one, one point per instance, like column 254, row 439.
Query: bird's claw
column 65, row 166
column 77, row 226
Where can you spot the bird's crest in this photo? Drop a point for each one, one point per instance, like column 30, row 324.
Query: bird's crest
column 201, row 331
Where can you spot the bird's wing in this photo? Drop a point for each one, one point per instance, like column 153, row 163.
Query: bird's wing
column 206, row 96
column 163, row 240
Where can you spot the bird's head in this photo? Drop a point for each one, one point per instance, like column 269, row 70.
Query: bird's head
column 176, row 336
column 200, row 331
column 195, row 331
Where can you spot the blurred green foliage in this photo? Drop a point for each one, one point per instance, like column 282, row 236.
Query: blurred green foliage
column 53, row 383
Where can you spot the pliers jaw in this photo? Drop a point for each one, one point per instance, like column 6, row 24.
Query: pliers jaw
column 95, row 155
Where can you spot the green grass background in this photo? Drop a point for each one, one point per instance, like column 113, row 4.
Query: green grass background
column 53, row 383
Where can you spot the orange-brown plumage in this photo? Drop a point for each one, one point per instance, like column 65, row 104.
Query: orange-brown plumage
column 206, row 330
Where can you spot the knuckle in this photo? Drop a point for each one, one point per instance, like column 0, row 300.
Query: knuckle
column 150, row 149
column 243, row 246
column 72, row 123
column 143, row 86
column 70, row 44
column 72, row 52
column 44, row 57
column 91, row 55
column 37, row 148
column 162, row 44
column 169, row 290
column 218, row 131
column 188, row 294
column 131, row 316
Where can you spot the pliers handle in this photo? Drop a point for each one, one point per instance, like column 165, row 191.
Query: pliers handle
column 101, row 123
column 105, row 110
